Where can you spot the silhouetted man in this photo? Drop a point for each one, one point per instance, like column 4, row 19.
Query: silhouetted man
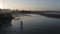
column 21, row 25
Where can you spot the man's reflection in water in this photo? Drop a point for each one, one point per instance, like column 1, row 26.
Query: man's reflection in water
column 21, row 22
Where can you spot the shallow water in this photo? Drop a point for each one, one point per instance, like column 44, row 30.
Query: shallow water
column 31, row 24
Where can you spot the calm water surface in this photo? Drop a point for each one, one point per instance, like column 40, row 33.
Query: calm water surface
column 32, row 24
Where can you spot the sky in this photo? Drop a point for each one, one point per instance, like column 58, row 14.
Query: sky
column 41, row 5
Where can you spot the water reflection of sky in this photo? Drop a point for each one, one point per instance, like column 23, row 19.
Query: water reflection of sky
column 33, row 23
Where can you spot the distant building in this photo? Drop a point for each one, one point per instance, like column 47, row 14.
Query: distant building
column 6, row 10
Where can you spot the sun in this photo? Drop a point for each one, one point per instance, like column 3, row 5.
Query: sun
column 1, row 6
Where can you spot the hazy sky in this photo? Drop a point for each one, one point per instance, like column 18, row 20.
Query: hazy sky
column 32, row 4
